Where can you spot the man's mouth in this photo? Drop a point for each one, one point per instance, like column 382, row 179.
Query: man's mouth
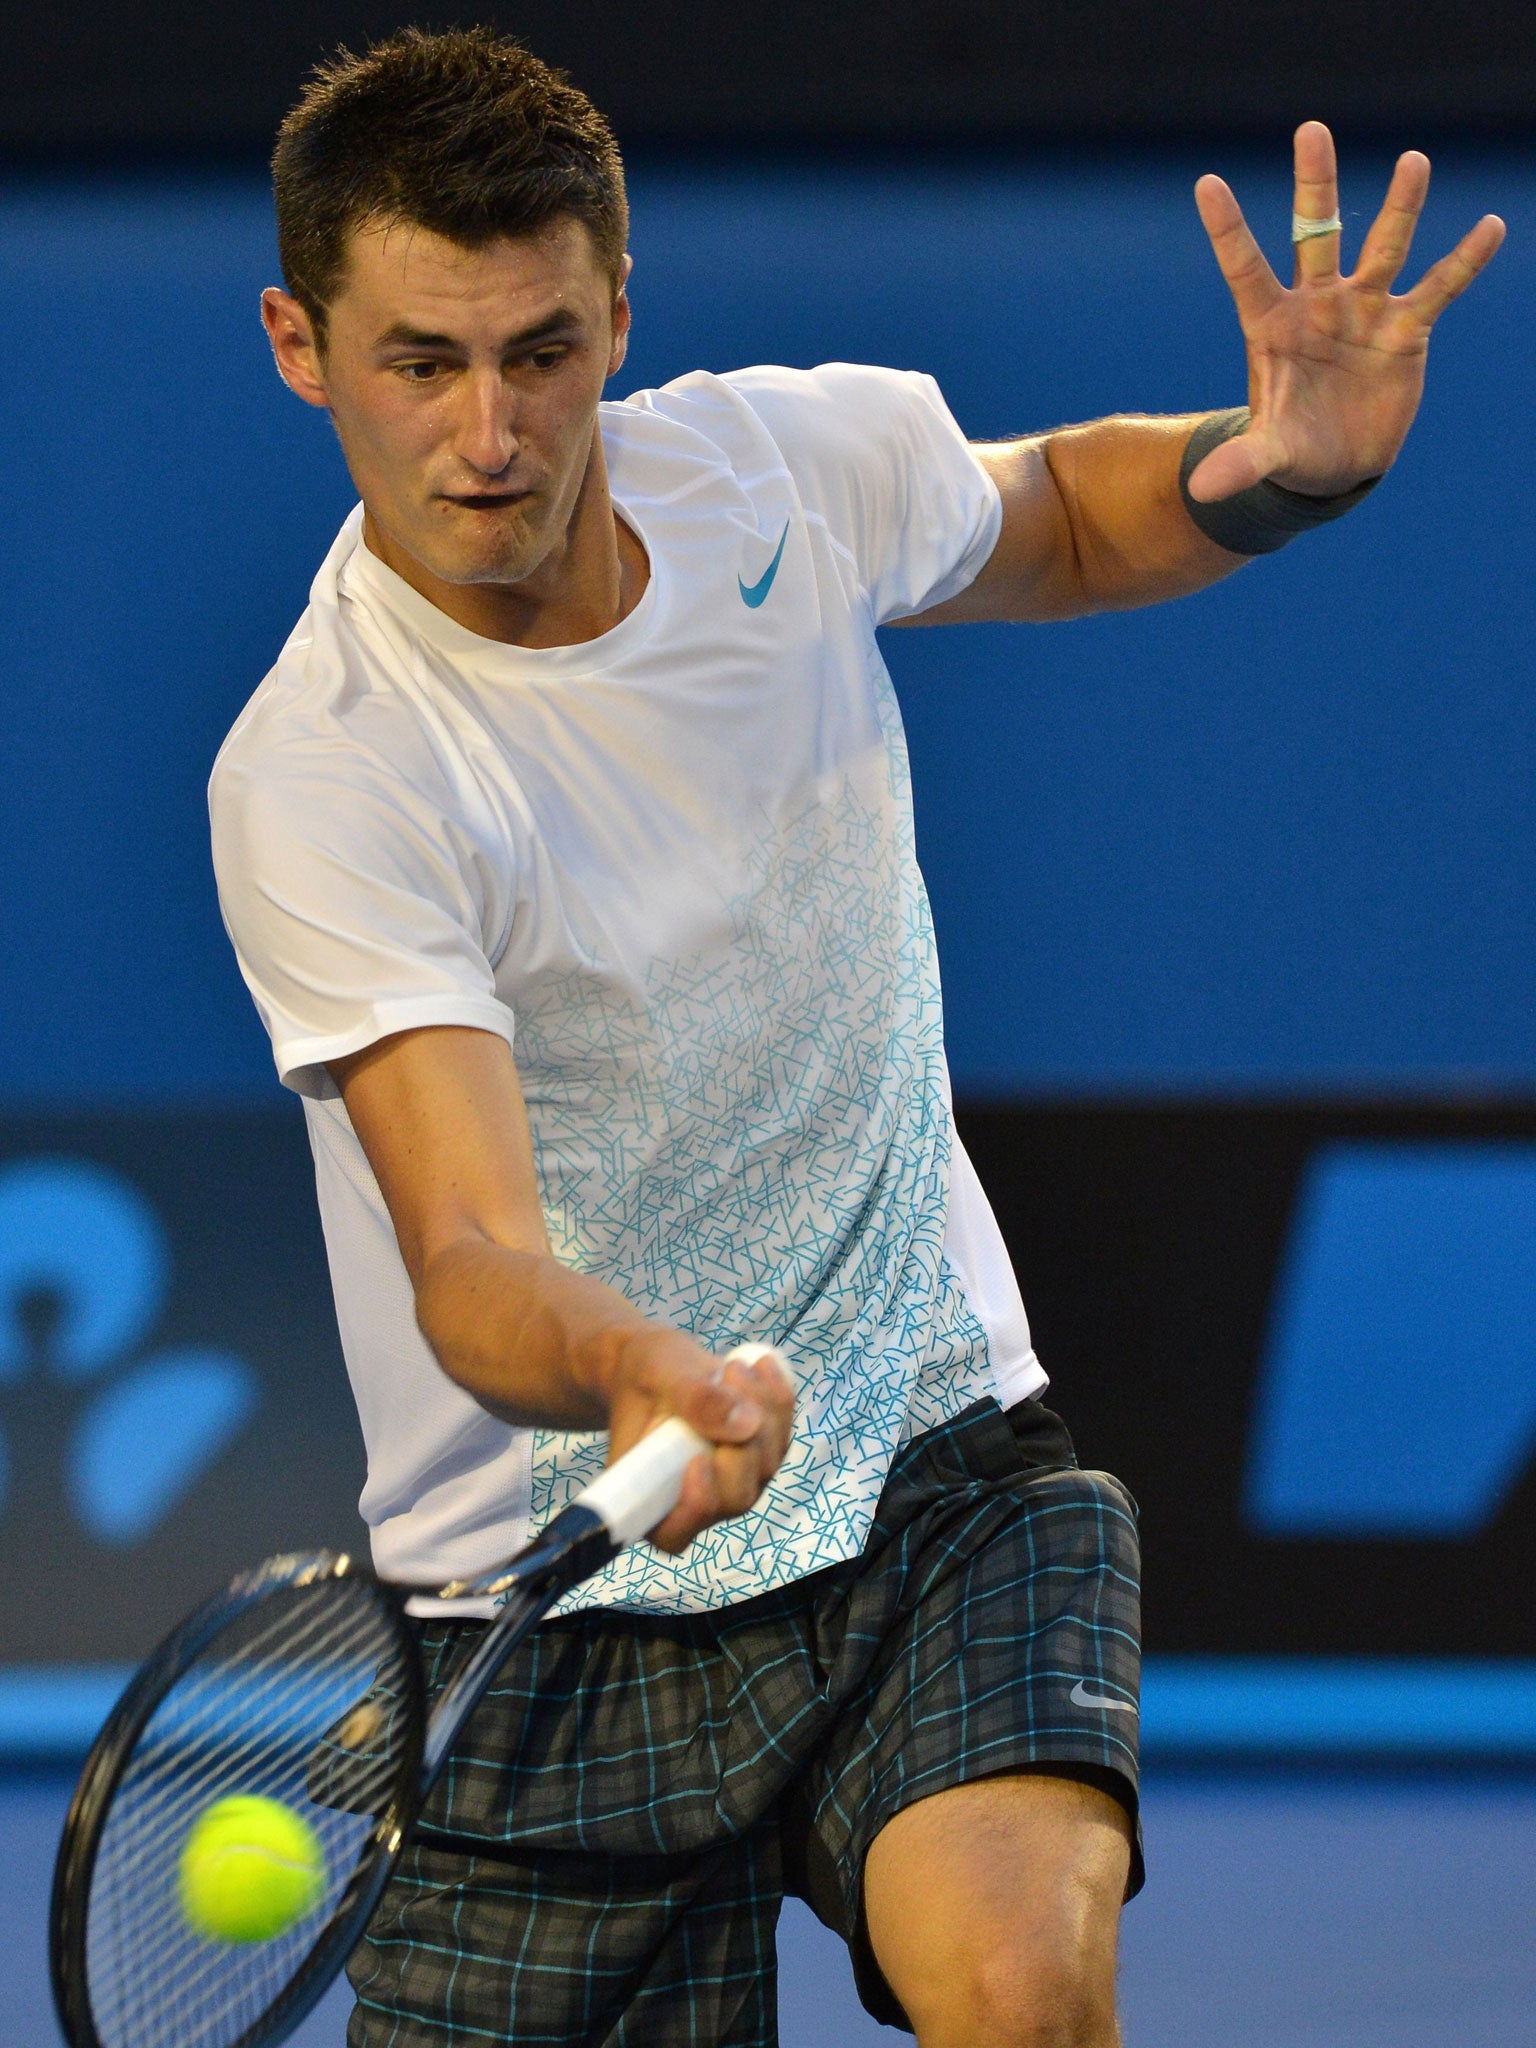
column 486, row 501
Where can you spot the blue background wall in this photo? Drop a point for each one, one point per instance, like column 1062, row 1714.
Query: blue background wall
column 1277, row 838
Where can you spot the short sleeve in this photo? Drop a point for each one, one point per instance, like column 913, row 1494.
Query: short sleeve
column 353, row 909
column 877, row 454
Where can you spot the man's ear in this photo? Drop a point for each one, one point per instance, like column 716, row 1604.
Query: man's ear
column 295, row 349
column 620, row 347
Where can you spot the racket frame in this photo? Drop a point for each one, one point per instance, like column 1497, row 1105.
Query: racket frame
column 632, row 1495
column 569, row 1549
column 114, row 1750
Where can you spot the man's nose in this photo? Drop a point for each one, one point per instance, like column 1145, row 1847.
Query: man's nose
column 487, row 428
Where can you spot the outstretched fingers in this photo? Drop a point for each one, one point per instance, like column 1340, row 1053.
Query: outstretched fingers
column 1253, row 285
column 1385, row 248
column 1317, row 199
column 1449, row 278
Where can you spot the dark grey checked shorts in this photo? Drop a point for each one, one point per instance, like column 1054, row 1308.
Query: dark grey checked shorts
column 604, row 1859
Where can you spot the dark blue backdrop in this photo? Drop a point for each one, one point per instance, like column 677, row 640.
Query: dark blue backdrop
column 1278, row 838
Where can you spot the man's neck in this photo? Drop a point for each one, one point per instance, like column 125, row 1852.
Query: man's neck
column 591, row 582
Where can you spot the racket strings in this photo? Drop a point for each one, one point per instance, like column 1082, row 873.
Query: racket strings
column 295, row 1700
column 186, row 1717
column 249, row 1678
column 220, row 1730
column 171, row 1798
column 171, row 1809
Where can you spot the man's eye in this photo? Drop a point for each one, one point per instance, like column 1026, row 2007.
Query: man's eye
column 418, row 373
column 547, row 358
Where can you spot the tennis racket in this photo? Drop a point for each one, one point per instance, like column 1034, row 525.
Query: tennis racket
column 300, row 1683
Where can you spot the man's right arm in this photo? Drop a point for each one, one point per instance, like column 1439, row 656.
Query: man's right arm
column 440, row 1115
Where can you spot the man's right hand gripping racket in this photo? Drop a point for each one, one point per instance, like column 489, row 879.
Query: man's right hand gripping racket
column 300, row 1684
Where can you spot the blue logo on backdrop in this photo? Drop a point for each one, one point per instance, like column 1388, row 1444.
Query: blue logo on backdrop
column 1398, row 1392
column 84, row 1269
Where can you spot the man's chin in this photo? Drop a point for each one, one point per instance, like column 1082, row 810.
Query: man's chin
column 490, row 558
column 459, row 548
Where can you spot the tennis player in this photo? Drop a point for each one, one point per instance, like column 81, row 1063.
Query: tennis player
column 567, row 852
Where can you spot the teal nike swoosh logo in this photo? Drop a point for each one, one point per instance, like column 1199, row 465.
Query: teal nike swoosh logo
column 753, row 593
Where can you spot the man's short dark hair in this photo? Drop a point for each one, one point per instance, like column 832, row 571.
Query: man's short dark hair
column 466, row 134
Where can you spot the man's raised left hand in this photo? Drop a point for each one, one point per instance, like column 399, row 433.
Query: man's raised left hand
column 1335, row 363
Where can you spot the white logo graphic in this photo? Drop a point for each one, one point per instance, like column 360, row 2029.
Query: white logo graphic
column 78, row 1237
column 1080, row 1696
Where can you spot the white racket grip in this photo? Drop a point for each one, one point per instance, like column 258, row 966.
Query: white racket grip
column 641, row 1488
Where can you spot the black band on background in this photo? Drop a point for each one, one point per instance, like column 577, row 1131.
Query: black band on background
column 1266, row 515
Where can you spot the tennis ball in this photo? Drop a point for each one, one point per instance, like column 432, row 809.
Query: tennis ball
column 250, row 1867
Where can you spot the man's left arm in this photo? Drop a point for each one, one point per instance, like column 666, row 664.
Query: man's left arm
column 1096, row 518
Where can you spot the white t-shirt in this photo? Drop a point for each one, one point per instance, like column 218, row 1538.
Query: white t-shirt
column 673, row 868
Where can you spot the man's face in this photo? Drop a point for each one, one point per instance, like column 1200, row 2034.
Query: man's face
column 464, row 387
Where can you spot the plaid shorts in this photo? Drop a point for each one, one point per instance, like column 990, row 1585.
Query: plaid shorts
column 604, row 1858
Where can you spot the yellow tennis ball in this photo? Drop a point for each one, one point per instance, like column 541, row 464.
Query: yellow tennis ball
column 250, row 1867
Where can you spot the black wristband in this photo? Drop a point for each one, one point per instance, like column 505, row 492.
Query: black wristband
column 1266, row 515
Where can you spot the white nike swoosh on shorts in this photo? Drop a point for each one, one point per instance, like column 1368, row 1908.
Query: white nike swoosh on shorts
column 1080, row 1696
